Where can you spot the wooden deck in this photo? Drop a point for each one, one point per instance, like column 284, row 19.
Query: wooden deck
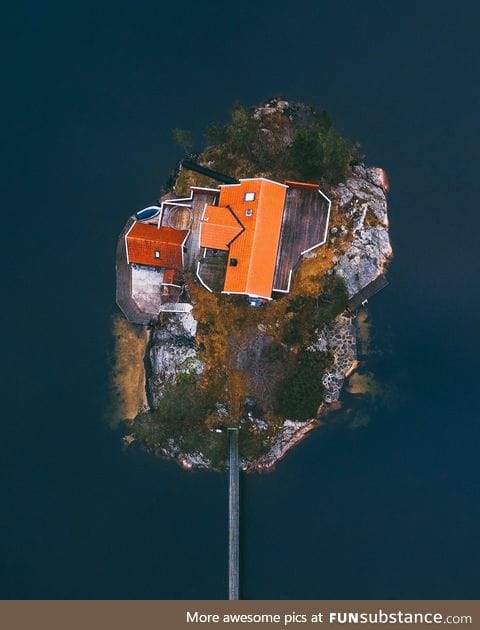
column 124, row 284
column 304, row 225
column 367, row 292
column 212, row 270
column 233, row 515
column 188, row 218
column 180, row 218
column 177, row 217
column 200, row 198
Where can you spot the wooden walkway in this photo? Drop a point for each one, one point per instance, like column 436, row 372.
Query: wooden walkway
column 200, row 198
column 367, row 292
column 212, row 270
column 233, row 515
column 124, row 283
column 178, row 307
column 305, row 219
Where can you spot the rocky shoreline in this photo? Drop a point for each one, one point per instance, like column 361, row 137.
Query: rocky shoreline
column 362, row 247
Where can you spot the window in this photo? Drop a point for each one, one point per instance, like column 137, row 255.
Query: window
column 249, row 212
column 157, row 254
column 249, row 196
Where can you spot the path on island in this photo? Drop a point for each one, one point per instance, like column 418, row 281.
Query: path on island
column 233, row 515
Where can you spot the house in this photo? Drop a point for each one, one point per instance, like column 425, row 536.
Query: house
column 148, row 244
column 246, row 223
column 244, row 237
column 261, row 229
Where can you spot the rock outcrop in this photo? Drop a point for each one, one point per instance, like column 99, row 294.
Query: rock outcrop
column 362, row 203
column 292, row 433
column 340, row 340
column 171, row 352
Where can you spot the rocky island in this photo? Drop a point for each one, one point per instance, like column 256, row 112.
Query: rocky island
column 241, row 285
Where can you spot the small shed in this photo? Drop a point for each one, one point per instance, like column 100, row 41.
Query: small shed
column 147, row 244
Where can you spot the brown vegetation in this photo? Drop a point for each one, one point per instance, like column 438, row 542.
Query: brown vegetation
column 250, row 352
column 128, row 375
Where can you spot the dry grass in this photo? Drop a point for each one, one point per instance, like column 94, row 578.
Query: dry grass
column 219, row 336
column 308, row 279
column 128, row 375
column 189, row 178
column 371, row 219
column 312, row 271
column 228, row 325
column 217, row 159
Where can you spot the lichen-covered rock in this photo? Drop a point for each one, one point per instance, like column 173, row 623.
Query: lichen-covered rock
column 362, row 201
column 271, row 106
column 193, row 460
column 340, row 340
column 171, row 352
column 292, row 432
column 378, row 177
column 187, row 461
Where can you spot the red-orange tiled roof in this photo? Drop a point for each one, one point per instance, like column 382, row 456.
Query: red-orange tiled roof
column 219, row 227
column 255, row 249
column 169, row 276
column 145, row 239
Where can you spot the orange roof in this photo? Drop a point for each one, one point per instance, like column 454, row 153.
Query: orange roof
column 219, row 227
column 169, row 276
column 255, row 249
column 158, row 247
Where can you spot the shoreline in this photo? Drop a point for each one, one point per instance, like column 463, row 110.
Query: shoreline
column 360, row 239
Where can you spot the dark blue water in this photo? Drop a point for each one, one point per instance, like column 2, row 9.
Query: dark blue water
column 90, row 94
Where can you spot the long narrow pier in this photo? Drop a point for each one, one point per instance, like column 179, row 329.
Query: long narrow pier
column 233, row 515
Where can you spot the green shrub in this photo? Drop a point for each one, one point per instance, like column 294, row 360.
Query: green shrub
column 320, row 154
column 181, row 415
column 273, row 353
column 297, row 145
column 332, row 300
column 182, row 138
column 301, row 392
column 313, row 313
column 250, row 444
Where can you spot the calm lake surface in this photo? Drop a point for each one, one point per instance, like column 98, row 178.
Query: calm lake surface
column 90, row 95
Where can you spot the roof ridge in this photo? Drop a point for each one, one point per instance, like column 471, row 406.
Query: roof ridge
column 239, row 223
column 263, row 187
column 255, row 231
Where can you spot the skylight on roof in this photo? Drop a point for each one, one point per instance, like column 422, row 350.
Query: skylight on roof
column 249, row 196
